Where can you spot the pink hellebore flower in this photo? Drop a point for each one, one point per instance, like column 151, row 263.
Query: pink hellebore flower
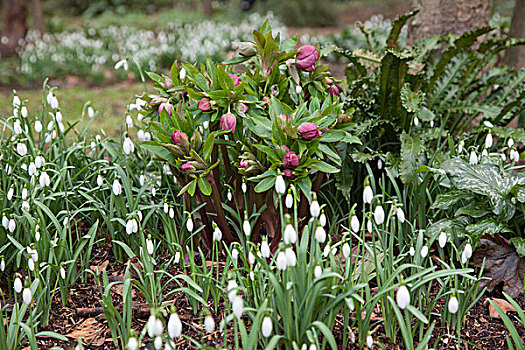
column 309, row 131
column 243, row 164
column 236, row 80
column 288, row 173
column 187, row 167
column 166, row 106
column 228, row 121
column 333, row 90
column 204, row 105
column 285, row 148
column 177, row 136
column 306, row 58
column 291, row 161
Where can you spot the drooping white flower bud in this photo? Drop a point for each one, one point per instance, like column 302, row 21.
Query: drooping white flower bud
column 368, row 195
column 27, row 296
column 280, row 185
column 379, row 215
column 403, row 297
column 12, row 225
column 189, row 224
column 266, row 327
column 280, row 261
column 18, row 285
column 346, row 250
column 416, row 121
column 117, row 188
column 291, row 259
column 44, row 179
column 182, row 74
column 133, row 343
column 246, row 227
column 468, row 250
column 237, row 306
column 127, row 146
column 424, row 251
column 265, row 249
column 318, row 271
column 149, row 246
column 315, row 209
column 174, row 326
column 369, row 226
column 473, row 158
column 129, row 121
column 38, row 126
column 90, row 112
column 400, row 215
column 251, row 258
column 510, row 142
column 453, row 305
column 322, row 219
column 442, row 239
column 369, row 341
column 231, row 288
column 209, row 323
column 289, row 200
column 412, row 251
column 489, row 141
column 320, row 234
column 290, row 235
column 62, row 272
column 217, row 234
column 158, row 342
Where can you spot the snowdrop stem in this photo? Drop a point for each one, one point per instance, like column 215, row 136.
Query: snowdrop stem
column 221, row 217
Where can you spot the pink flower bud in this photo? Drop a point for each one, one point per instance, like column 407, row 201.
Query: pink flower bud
column 236, row 80
column 243, row 164
column 343, row 118
column 228, row 121
column 333, row 90
column 291, row 161
column 306, row 58
column 309, row 131
column 177, row 137
column 267, row 100
column 285, row 148
column 204, row 105
column 328, row 81
column 288, row 173
column 166, row 106
column 187, row 167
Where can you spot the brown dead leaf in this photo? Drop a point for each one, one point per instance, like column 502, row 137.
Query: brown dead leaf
column 89, row 330
column 504, row 305
column 102, row 266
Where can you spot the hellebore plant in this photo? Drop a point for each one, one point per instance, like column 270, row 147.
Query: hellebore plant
column 270, row 114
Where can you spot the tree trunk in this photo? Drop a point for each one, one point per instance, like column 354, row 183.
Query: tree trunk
column 515, row 56
column 14, row 14
column 38, row 16
column 438, row 17
column 208, row 9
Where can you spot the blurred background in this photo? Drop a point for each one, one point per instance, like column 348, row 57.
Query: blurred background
column 77, row 44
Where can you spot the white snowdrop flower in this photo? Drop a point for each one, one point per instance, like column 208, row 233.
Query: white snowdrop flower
column 322, row 219
column 320, row 234
column 189, row 224
column 129, row 227
column 346, row 250
column 149, row 246
column 403, row 297
column 416, row 121
column 54, row 102
column 288, row 201
column 38, row 126
column 128, row 146
column 247, row 229
column 315, row 209
column 312, row 347
column 31, row 170
column 62, row 272
column 379, row 164
column 142, row 180
column 510, row 142
column 10, row 193
column 90, row 112
column 93, row 146
column 368, row 195
column 229, row 196
column 237, row 306
column 44, row 179
column 49, row 97
column 503, row 157
column 468, row 250
column 369, row 341
column 489, row 140
column 2, row 265
column 12, row 225
column 231, row 288
column 5, row 221
column 31, row 264
column 100, row 180
column 18, row 285
column 133, row 344
column 182, row 74
column 177, row 257
column 424, row 251
column 25, row 205
column 318, row 271
column 172, row 213
column 23, row 112
column 235, row 254
column 379, row 215
column 431, row 123
column 26, row 296
column 24, row 193
column 129, row 121
column 17, row 128
column 463, row 258
column 473, row 158
column 174, row 326
column 412, row 251
column 24, row 166
column 21, row 149
column 484, row 153
column 40, row 162
column 488, row 124
column 122, row 63
column 153, row 191
column 442, row 239
column 290, row 235
column 460, row 146
column 158, row 342
column 65, row 221
column 217, row 234
column 291, row 258
column 280, row 185
column 453, row 305
column 205, row 124
column 298, row 89
column 351, row 304
column 117, row 188
column 281, row 261
column 369, row 225
column 265, row 249
column 400, row 215
column 266, row 327
column 16, row 101
column 251, row 258
column 140, row 135
column 514, row 155
column 47, row 138
column 50, row 126
column 209, row 323
column 58, row 117
column 244, row 188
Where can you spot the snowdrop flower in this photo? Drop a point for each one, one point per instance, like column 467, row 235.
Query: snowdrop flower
column 5, row 221
column 2, row 264
column 140, row 135
column 442, row 239
column 290, row 236
column 379, row 164
column 21, row 149
column 318, row 271
column 403, row 297
column 217, row 234
column 38, row 126
column 26, row 296
column 280, row 185
column 251, row 258
column 40, row 162
column 400, row 215
column 266, row 327
column 369, row 341
column 368, row 195
column 177, row 257
column 49, row 97
column 235, row 254
column 44, row 179
column 322, row 219
column 431, row 123
column 289, row 200
column 231, row 288
column 265, row 249
column 10, row 193
column 100, row 180
column 424, row 251
column 117, row 188
column 12, row 225
column 244, row 188
column 18, row 284
column 62, row 272
column 503, row 157
column 17, row 128
column 58, row 117
column 320, row 234
column 246, row 227
column 130, row 226
column 158, row 342
column 128, row 146
column 122, row 63
column 174, row 326
column 484, row 153
column 379, row 215
column 23, row 112
column 24, row 193
column 129, row 121
column 453, row 305
column 416, row 121
column 489, row 140
column 514, row 155
column 229, row 196
column 172, row 213
column 412, row 251
column 488, row 124
column 25, row 205
column 460, row 146
column 153, row 191
column 468, row 251
column 133, row 344
column 346, row 250
column 298, row 89
column 149, row 246
column 209, row 323
column 90, row 112
column 237, row 306
column 142, row 180
column 182, row 74
column 326, row 250
column 473, row 158
column 315, row 209
column 16, row 101
column 369, row 225
column 50, row 126
column 281, row 261
column 189, row 224
column 31, row 170
column 510, row 142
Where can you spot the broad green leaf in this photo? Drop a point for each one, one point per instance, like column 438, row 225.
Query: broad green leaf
column 519, row 244
column 410, row 150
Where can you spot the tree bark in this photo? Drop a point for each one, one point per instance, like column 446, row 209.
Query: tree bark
column 438, row 17
column 208, row 9
column 38, row 16
column 14, row 15
column 515, row 56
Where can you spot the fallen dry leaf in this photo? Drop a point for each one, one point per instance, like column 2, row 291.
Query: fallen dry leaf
column 100, row 267
column 89, row 330
column 504, row 305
